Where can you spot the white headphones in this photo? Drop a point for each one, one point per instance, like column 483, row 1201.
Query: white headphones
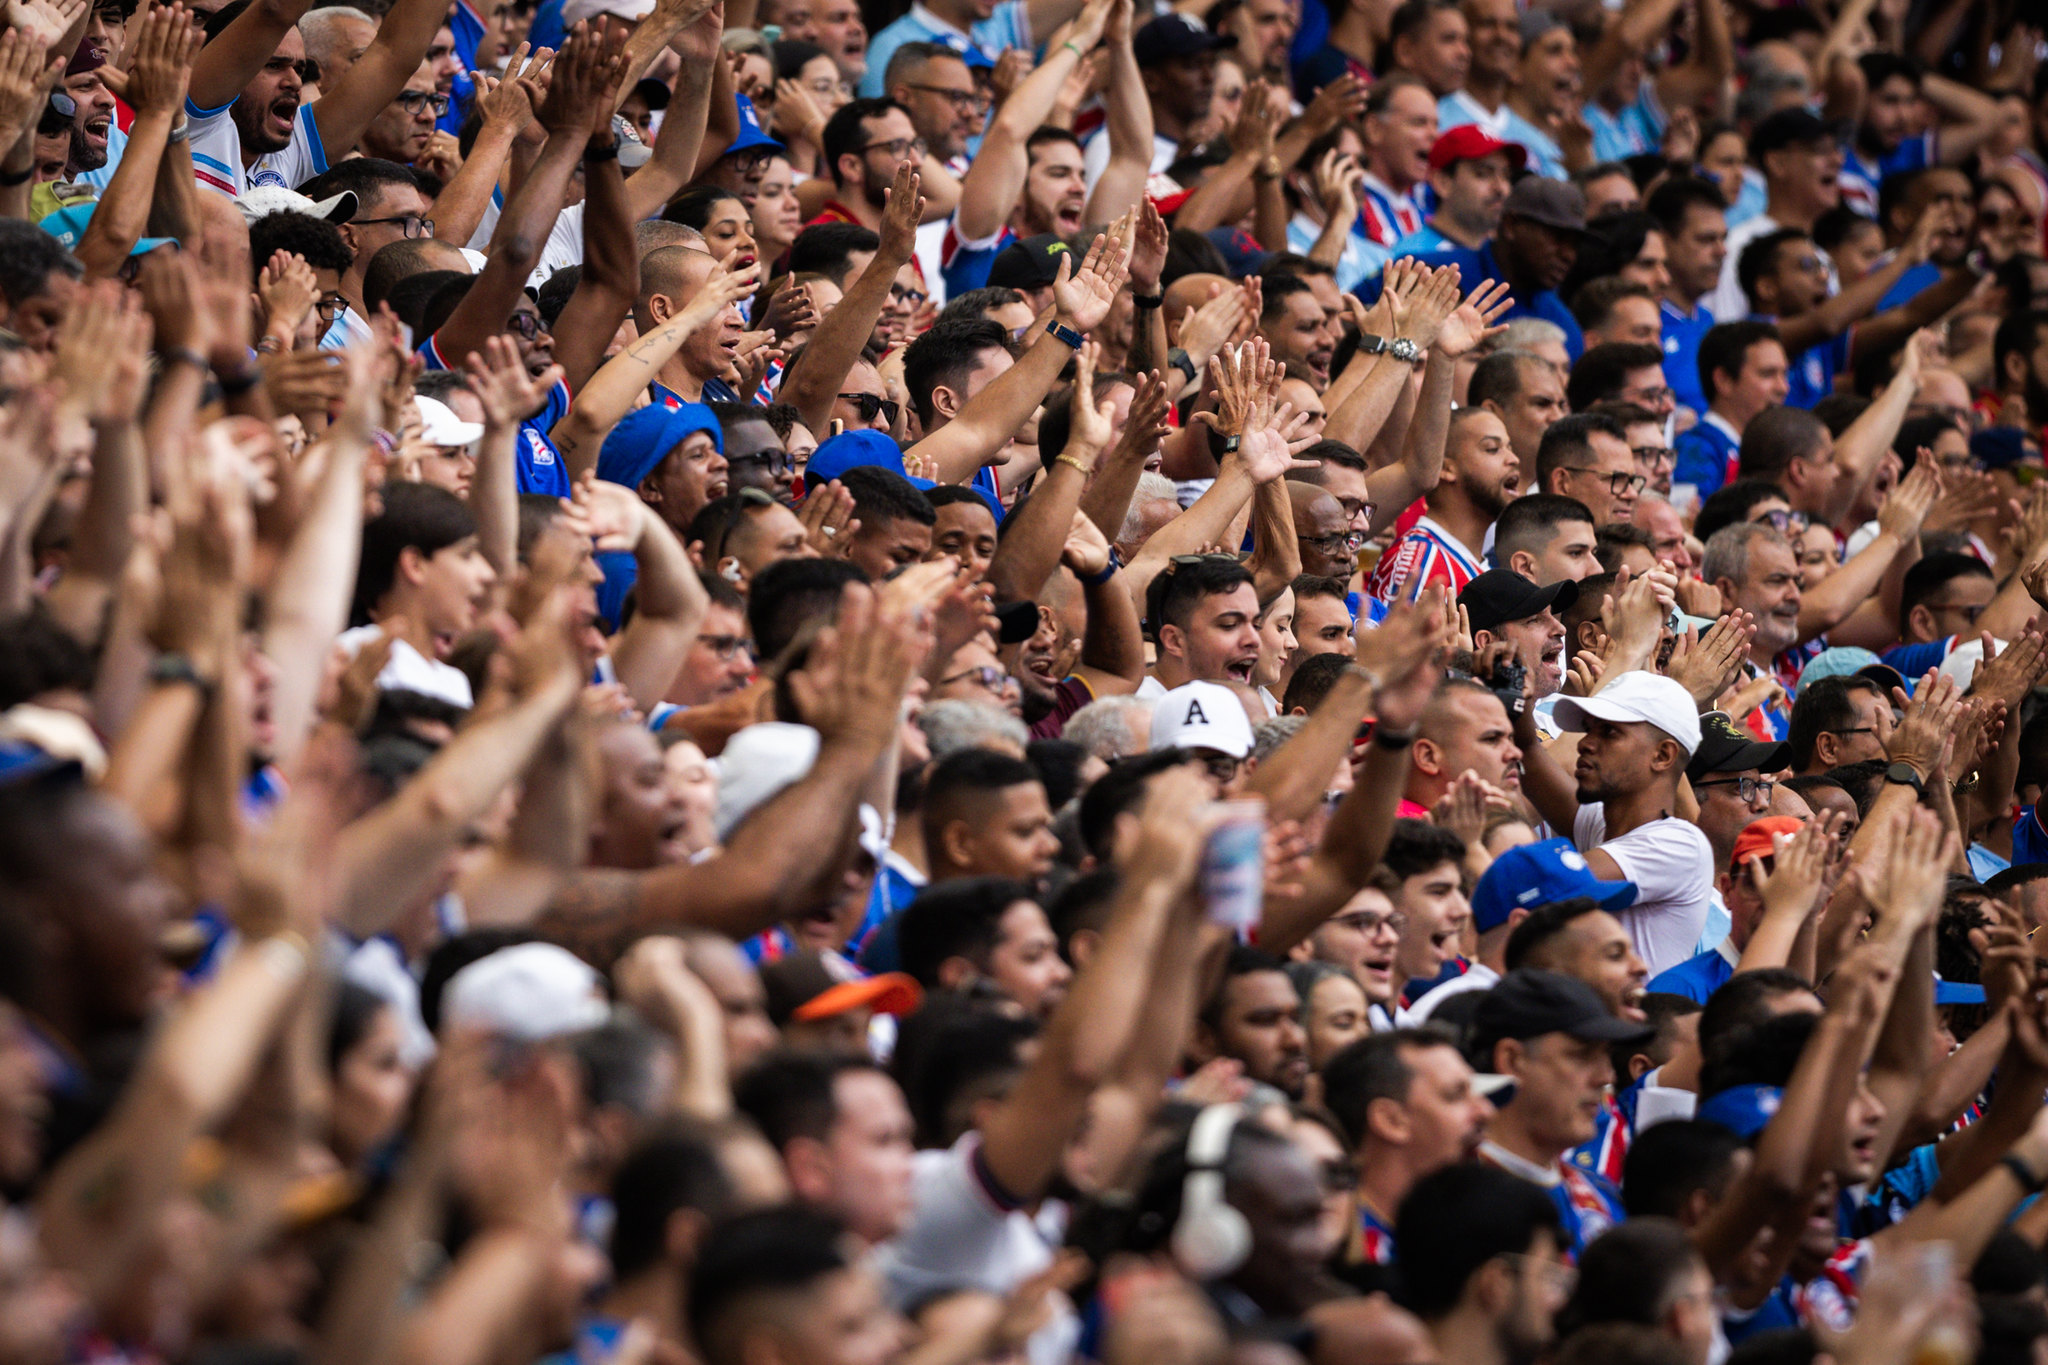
column 1210, row 1239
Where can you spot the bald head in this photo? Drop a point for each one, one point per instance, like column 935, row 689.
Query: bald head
column 401, row 260
column 673, row 273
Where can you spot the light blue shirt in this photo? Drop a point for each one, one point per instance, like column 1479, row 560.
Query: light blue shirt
column 1637, row 128
column 1361, row 259
column 1008, row 27
column 1458, row 108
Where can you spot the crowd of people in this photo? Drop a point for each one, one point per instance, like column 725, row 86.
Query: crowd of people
column 1228, row 682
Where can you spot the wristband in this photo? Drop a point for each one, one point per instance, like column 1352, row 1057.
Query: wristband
column 185, row 355
column 1108, row 570
column 1388, row 739
column 1147, row 302
column 607, row 152
column 1073, row 48
column 9, row 179
column 2031, row 1183
column 176, row 668
column 1070, row 462
column 1066, row 334
column 182, row 129
column 1182, row 361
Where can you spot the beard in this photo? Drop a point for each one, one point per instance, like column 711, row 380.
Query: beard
column 1492, row 499
column 83, row 155
column 249, row 127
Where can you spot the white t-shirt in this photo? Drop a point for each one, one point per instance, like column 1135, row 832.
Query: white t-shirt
column 965, row 1234
column 217, row 152
column 1477, row 977
column 411, row 671
column 1095, row 155
column 1672, row 865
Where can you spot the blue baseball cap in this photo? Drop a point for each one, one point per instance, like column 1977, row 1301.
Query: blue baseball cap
column 850, row 450
column 750, row 134
column 1848, row 660
column 1743, row 1109
column 1957, row 992
column 976, row 59
column 67, row 225
column 1537, row 874
column 643, row 439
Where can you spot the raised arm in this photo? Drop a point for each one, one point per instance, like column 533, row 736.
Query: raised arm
column 1024, row 1139
column 366, row 89
column 160, row 59
column 1030, row 546
column 1121, row 186
column 234, row 56
column 611, row 265
column 995, row 180
column 1422, row 450
column 509, row 396
column 988, row 421
column 612, row 391
column 504, row 109
column 1860, row 449
column 812, row 382
column 682, row 127
column 580, row 80
column 1112, row 660
column 668, row 597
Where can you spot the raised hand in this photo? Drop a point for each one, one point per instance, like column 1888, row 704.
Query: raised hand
column 1235, row 375
column 1082, row 299
column 1148, row 250
column 827, row 515
column 1905, row 508
column 43, row 21
column 1337, row 176
column 1799, row 867
column 1433, row 302
column 161, row 47
column 499, row 379
column 1342, row 100
column 1907, row 888
column 1404, row 659
column 582, row 74
column 2014, row 672
column 27, row 72
column 1090, row 430
column 287, row 290
column 1931, row 715
column 901, row 215
column 1209, row 328
column 1708, row 665
column 1473, row 321
column 851, row 688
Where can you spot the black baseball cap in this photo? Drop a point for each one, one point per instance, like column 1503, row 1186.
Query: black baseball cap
column 1726, row 747
column 1499, row 596
column 1175, row 35
column 1529, row 1002
column 1031, row 263
column 1796, row 126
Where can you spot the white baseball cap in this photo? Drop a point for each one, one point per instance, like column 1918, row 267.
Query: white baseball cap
column 265, row 200
column 1632, row 697
column 439, row 426
column 530, row 992
column 757, row 763
column 1202, row 715
column 574, row 11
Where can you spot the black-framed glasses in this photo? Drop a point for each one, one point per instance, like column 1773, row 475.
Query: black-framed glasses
column 966, row 101
column 413, row 101
column 1655, row 456
column 526, row 324
column 330, row 308
column 984, row 675
column 1337, row 542
column 1746, row 788
column 724, row 646
column 1617, row 483
column 1650, row 397
column 870, row 405
column 411, row 224
column 1854, row 730
column 1370, row 922
column 902, row 148
column 1784, row 520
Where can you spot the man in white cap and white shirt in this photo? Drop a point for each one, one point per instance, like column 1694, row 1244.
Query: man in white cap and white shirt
column 1207, row 720
column 1620, row 804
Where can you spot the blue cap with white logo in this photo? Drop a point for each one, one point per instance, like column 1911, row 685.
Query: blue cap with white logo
column 1742, row 1109
column 1537, row 874
column 750, row 134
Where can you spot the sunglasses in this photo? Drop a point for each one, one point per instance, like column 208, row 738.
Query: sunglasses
column 869, row 405
column 526, row 324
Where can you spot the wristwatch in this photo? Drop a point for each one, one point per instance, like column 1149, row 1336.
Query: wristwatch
column 1269, row 169
column 1905, row 775
column 1401, row 348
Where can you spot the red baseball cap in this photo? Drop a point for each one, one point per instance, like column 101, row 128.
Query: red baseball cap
column 1469, row 142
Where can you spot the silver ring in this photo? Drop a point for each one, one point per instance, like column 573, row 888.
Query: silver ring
column 829, row 530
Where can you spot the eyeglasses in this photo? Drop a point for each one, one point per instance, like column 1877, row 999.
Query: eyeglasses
column 1649, row 398
column 1337, row 542
column 1370, row 922
column 826, row 86
column 1617, row 483
column 411, row 224
column 726, row 647
column 774, row 461
column 1854, row 730
column 1220, row 766
column 1783, row 520
column 902, row 148
column 1747, row 788
column 965, row 101
column 869, row 405
column 413, row 101
column 986, row 675
column 330, row 308
column 1339, row 1176
column 1654, row 456
column 526, row 324
column 899, row 294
